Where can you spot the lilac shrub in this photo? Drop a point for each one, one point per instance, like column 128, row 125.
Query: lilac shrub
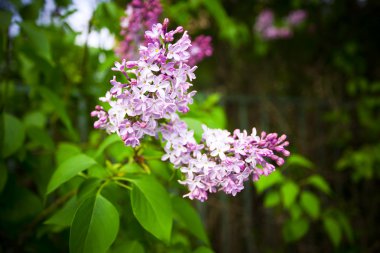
column 148, row 103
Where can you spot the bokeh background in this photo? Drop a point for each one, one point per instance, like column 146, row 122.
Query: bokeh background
column 319, row 84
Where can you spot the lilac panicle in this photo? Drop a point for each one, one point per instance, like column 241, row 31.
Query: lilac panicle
column 222, row 161
column 200, row 49
column 155, row 87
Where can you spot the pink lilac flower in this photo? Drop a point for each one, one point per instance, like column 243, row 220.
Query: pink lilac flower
column 222, row 161
column 296, row 17
column 156, row 87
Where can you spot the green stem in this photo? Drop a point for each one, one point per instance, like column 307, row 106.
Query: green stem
column 123, row 185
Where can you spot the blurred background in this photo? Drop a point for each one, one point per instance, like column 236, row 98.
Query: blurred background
column 308, row 69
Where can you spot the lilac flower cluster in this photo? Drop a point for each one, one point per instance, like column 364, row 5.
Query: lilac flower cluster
column 266, row 28
column 147, row 102
column 140, row 16
column 221, row 162
column 156, row 87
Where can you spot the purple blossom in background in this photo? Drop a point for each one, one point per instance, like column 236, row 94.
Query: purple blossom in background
column 266, row 28
column 140, row 16
column 200, row 49
column 296, row 17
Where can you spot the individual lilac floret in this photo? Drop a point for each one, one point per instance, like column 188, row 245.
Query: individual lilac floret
column 155, row 87
column 200, row 49
column 140, row 16
column 221, row 162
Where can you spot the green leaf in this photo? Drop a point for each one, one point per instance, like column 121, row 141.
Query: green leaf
column 293, row 230
column 129, row 247
column 3, row 176
column 320, row 183
column 64, row 216
column 289, row 192
column 35, row 119
column 69, row 169
column 196, row 126
column 55, row 101
column 332, row 229
column 111, row 139
column 14, row 135
column 345, row 225
column 272, row 199
column 203, row 249
column 269, row 181
column 151, row 207
column 38, row 40
column 66, row 151
column 186, row 214
column 95, row 226
column 40, row 137
column 310, row 204
column 298, row 160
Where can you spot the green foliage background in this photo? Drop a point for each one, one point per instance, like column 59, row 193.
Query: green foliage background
column 66, row 187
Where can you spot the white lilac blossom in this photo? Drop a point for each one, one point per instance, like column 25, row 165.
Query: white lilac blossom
column 156, row 86
column 222, row 161
column 266, row 28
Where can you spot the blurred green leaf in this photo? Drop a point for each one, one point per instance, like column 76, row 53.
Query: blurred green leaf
column 95, row 226
column 14, row 135
column 196, row 126
column 55, row 101
column 310, row 203
column 333, row 230
column 63, row 217
column 294, row 230
column 35, row 119
column 269, row 181
column 320, row 183
column 186, row 214
column 271, row 199
column 66, row 151
column 203, row 249
column 69, row 169
column 38, row 40
column 3, row 176
column 345, row 225
column 152, row 207
column 40, row 137
column 129, row 247
column 289, row 193
column 298, row 160
column 108, row 141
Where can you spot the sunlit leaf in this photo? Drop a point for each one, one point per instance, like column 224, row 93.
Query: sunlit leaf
column 272, row 199
column 94, row 227
column 203, row 249
column 294, row 230
column 269, row 181
column 69, row 169
column 298, row 160
column 152, row 207
column 333, row 230
column 289, row 193
column 320, row 183
column 310, row 204
column 129, row 247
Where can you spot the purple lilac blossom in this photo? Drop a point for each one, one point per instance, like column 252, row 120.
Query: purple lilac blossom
column 222, row 161
column 156, row 87
column 296, row 17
